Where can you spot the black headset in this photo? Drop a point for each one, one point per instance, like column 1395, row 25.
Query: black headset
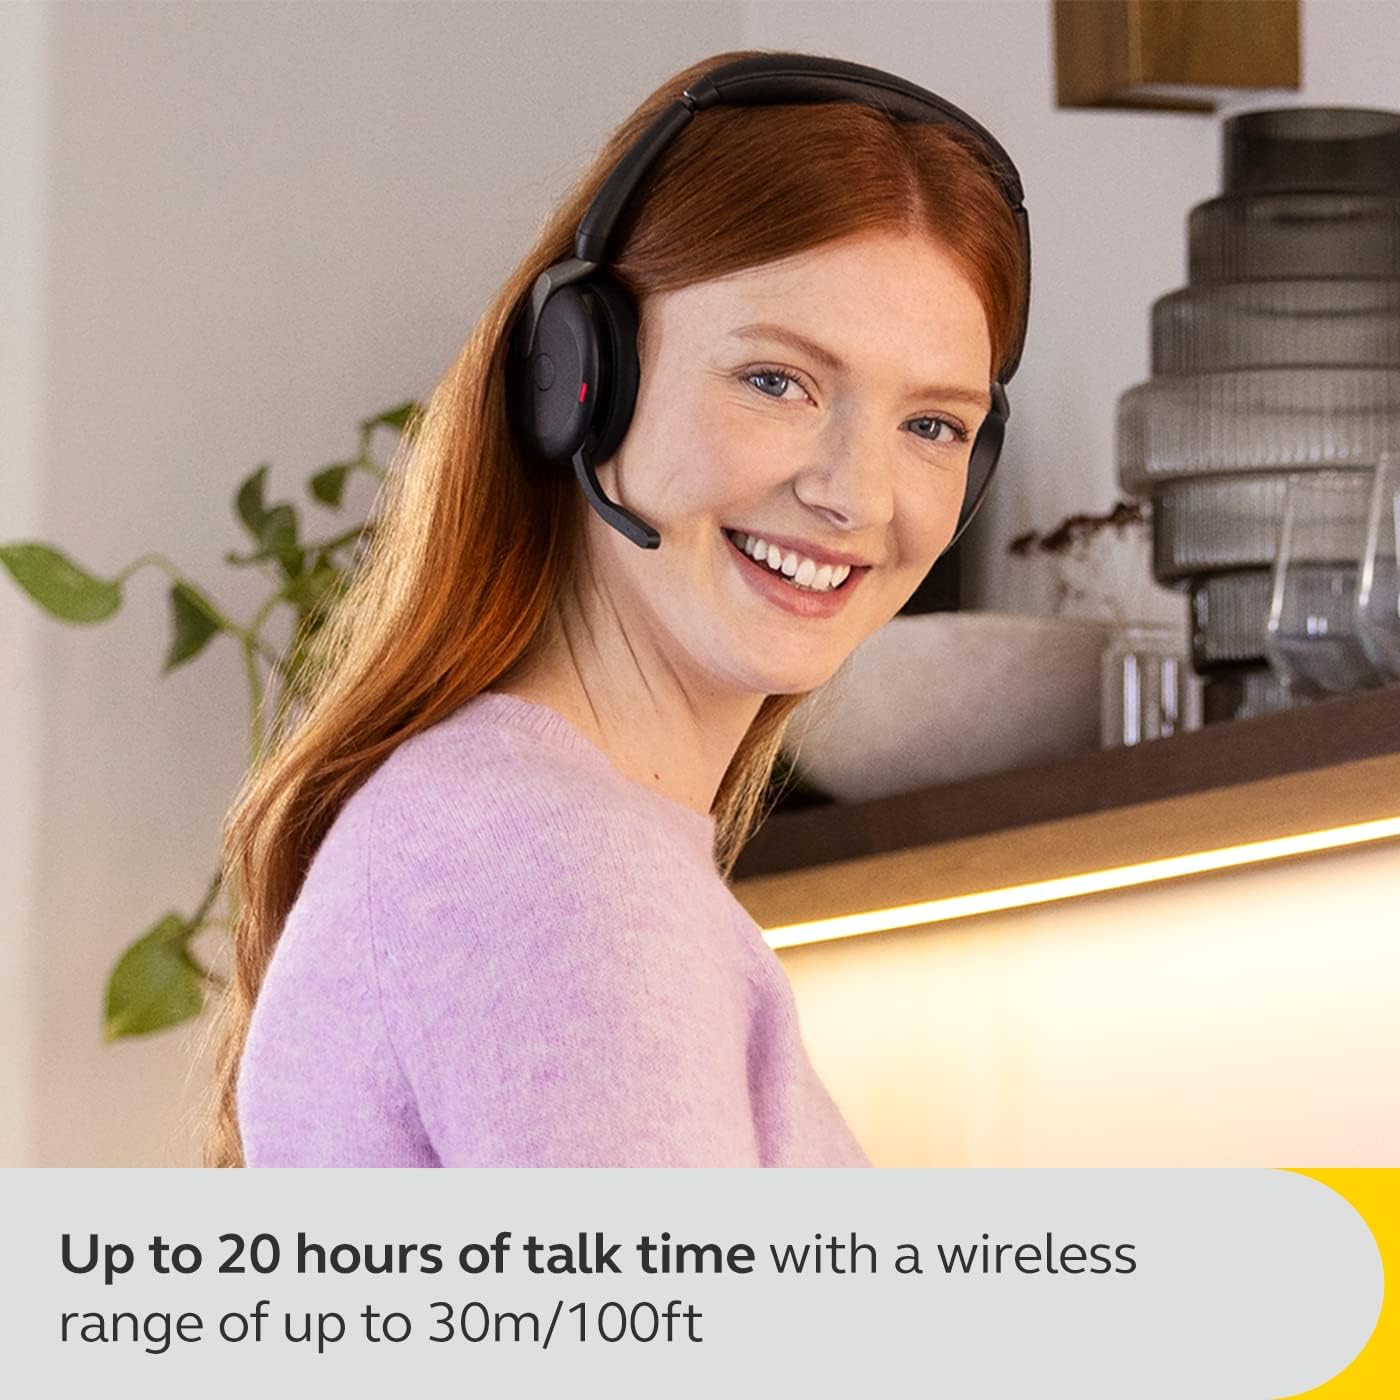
column 572, row 373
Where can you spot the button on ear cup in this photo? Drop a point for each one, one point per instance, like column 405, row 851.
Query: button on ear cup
column 547, row 394
column 616, row 320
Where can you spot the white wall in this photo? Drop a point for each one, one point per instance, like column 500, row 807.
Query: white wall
column 23, row 172
column 232, row 230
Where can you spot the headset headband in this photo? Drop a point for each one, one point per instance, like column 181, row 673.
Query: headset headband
column 793, row 79
column 574, row 374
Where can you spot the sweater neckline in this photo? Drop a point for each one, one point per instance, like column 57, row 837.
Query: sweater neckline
column 546, row 723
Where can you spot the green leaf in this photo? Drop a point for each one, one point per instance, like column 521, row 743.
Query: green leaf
column 274, row 528
column 396, row 418
column 155, row 983
column 193, row 622
column 279, row 528
column 56, row 583
column 280, row 537
column 310, row 589
column 249, row 501
column 328, row 485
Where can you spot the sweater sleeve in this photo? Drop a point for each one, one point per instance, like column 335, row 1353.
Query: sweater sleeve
column 556, row 988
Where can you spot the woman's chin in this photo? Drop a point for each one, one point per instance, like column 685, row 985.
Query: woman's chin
column 780, row 663
column 797, row 679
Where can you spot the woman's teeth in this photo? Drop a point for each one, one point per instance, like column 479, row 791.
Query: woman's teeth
column 796, row 568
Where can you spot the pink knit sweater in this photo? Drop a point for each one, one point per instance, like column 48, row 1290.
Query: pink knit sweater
column 506, row 953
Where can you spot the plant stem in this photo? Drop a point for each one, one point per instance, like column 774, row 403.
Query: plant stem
column 340, row 541
column 209, row 897
column 259, row 617
column 255, row 691
column 244, row 634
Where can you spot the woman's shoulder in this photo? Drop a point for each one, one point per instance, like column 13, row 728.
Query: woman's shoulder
column 481, row 823
column 471, row 773
column 510, row 810
column 517, row 778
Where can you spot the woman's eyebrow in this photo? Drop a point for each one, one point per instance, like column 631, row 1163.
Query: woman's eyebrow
column 767, row 330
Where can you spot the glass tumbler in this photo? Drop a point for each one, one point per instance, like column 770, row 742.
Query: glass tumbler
column 1312, row 640
column 1378, row 594
column 1148, row 688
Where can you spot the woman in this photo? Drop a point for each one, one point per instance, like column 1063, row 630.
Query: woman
column 483, row 911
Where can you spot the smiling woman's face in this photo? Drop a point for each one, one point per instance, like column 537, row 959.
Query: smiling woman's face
column 828, row 400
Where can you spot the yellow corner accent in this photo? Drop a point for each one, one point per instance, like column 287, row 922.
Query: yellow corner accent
column 1374, row 1192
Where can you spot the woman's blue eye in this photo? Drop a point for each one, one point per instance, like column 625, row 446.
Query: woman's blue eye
column 769, row 374
column 959, row 435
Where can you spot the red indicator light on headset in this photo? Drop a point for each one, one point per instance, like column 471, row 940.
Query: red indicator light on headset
column 583, row 389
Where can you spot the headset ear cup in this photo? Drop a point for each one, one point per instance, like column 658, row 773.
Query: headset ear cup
column 545, row 399
column 615, row 318
column 986, row 452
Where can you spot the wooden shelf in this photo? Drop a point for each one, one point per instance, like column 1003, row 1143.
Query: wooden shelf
column 1172, row 54
column 1328, row 763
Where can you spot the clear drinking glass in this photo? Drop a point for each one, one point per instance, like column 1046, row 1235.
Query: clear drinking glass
column 1148, row 688
column 1378, row 594
column 1312, row 640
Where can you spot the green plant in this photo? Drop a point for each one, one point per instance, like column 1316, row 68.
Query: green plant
column 157, row 982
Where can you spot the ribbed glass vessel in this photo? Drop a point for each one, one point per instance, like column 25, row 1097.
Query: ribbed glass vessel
column 1273, row 324
column 1256, row 419
column 1280, row 357
column 1239, row 237
column 1201, row 524
column 1228, row 616
column 1313, row 148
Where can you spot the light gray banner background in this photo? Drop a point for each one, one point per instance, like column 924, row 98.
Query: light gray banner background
column 1248, row 1283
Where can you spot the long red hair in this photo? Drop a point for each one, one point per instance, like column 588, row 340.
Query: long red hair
column 470, row 549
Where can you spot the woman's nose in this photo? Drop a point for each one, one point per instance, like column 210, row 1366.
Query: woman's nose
column 850, row 478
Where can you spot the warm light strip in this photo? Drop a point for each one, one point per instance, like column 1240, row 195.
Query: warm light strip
column 932, row 911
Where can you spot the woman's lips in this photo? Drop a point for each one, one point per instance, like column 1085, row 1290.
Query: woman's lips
column 796, row 601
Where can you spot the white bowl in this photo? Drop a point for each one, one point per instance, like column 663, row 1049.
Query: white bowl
column 933, row 697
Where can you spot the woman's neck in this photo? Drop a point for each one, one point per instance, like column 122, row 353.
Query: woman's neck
column 657, row 732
